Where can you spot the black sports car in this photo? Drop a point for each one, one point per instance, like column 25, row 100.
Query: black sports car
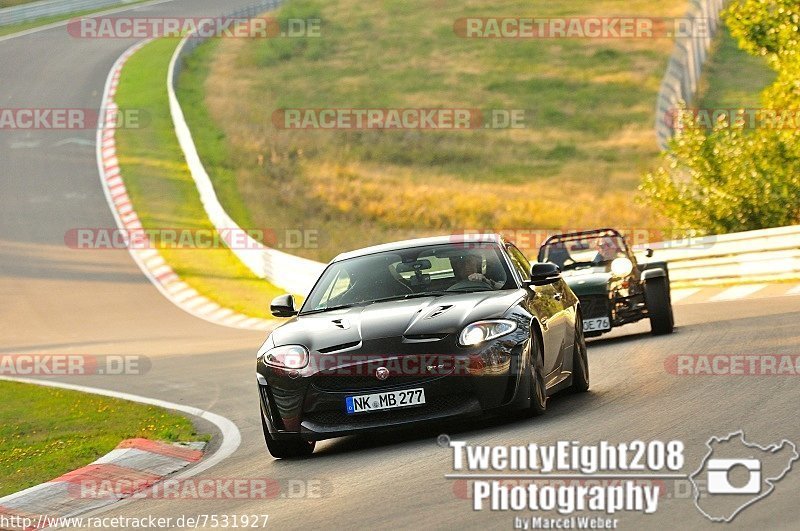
column 419, row 330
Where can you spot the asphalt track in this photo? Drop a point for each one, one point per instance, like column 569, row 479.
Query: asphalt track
column 57, row 300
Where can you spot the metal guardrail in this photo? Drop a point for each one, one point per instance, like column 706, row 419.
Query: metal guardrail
column 766, row 254
column 685, row 66
column 193, row 41
column 755, row 255
column 51, row 8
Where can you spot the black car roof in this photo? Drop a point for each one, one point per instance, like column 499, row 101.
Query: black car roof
column 422, row 242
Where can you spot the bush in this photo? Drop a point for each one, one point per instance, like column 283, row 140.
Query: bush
column 740, row 175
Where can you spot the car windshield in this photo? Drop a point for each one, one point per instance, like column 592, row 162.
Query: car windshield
column 409, row 273
column 588, row 250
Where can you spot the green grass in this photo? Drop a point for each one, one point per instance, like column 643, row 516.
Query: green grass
column 47, row 432
column 216, row 153
column 10, row 3
column 589, row 137
column 15, row 28
column 164, row 194
column 732, row 78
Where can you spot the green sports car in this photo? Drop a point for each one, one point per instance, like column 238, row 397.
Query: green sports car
column 612, row 287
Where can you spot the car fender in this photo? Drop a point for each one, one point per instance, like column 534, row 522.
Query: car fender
column 647, row 274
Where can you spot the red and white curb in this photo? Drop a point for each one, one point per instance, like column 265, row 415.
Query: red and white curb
column 229, row 441
column 150, row 261
column 132, row 468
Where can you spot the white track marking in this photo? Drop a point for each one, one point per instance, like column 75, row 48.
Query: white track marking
column 684, row 293
column 738, row 292
column 794, row 291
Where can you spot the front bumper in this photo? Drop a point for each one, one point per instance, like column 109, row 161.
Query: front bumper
column 458, row 382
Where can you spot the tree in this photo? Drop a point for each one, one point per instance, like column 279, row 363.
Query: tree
column 744, row 172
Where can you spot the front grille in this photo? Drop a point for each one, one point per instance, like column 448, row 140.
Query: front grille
column 425, row 337
column 593, row 306
column 435, row 407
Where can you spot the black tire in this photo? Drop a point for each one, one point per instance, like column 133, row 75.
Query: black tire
column 286, row 448
column 659, row 306
column 580, row 360
column 537, row 391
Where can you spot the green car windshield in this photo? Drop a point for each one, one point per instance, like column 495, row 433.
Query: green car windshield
column 588, row 250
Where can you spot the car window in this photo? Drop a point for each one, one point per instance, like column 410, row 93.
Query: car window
column 340, row 285
column 520, row 263
column 456, row 267
column 584, row 250
column 440, row 267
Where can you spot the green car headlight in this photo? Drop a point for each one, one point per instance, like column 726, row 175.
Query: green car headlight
column 621, row 267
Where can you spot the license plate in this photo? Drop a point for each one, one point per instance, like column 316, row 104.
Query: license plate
column 596, row 325
column 382, row 401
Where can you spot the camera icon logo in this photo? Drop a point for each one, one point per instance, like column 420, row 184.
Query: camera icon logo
column 735, row 474
column 719, row 471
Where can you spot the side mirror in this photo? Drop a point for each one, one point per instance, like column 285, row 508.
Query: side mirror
column 283, row 306
column 648, row 253
column 543, row 273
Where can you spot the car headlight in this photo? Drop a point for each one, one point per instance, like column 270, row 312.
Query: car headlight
column 485, row 330
column 621, row 267
column 287, row 357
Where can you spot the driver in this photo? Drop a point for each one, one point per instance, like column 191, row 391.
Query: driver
column 607, row 249
column 467, row 267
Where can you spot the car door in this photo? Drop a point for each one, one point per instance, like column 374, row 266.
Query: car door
column 548, row 305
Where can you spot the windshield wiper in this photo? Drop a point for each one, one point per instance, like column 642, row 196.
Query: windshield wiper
column 411, row 296
column 328, row 309
column 578, row 265
column 435, row 293
column 471, row 290
column 385, row 299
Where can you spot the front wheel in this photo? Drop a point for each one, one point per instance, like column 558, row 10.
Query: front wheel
column 537, row 391
column 580, row 361
column 286, row 448
column 659, row 306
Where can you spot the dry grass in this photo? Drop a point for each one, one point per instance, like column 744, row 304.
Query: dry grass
column 588, row 139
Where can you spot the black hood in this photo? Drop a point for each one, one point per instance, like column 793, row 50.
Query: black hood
column 412, row 318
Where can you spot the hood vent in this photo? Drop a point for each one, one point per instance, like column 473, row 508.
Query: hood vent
column 424, row 337
column 438, row 311
column 343, row 346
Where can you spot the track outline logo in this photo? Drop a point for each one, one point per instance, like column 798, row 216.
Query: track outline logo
column 726, row 464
